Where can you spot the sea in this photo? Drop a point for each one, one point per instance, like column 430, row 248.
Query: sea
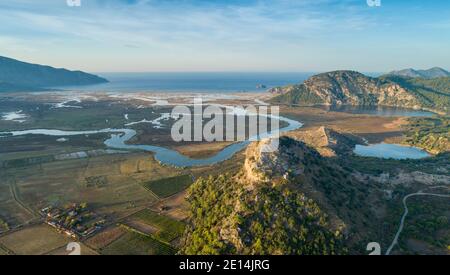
column 210, row 82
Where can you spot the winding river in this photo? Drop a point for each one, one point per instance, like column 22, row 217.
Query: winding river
column 120, row 137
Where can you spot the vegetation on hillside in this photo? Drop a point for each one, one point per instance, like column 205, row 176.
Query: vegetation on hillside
column 430, row 133
column 228, row 219
column 432, row 93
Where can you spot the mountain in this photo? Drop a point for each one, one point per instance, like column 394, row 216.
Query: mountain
column 428, row 74
column 354, row 88
column 17, row 75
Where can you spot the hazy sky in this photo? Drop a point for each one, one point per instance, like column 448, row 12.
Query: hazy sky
column 227, row 35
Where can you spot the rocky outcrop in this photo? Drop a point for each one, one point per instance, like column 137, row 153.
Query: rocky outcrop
column 327, row 142
column 275, row 166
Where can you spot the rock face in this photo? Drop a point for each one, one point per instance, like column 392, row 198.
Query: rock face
column 20, row 76
column 274, row 167
column 347, row 88
column 429, row 74
column 327, row 142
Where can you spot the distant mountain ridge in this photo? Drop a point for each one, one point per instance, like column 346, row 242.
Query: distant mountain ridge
column 16, row 75
column 434, row 72
column 354, row 88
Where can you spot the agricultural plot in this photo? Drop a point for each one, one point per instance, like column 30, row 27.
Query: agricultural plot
column 12, row 213
column 167, row 229
column 105, row 237
column 169, row 186
column 35, row 240
column 144, row 167
column 132, row 243
column 60, row 182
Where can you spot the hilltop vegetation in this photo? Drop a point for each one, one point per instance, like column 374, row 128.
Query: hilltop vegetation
column 431, row 134
column 432, row 93
column 227, row 219
column 353, row 88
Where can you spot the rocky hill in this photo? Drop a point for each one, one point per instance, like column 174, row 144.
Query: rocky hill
column 290, row 201
column 21, row 76
column 353, row 88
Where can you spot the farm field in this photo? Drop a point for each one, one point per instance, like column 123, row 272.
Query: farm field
column 35, row 240
column 105, row 237
column 165, row 228
column 119, row 194
column 169, row 186
column 132, row 243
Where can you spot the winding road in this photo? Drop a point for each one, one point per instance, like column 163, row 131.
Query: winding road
column 405, row 206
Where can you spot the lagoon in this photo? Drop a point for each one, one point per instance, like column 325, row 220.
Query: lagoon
column 390, row 151
column 377, row 110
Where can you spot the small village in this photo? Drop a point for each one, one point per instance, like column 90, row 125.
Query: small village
column 74, row 220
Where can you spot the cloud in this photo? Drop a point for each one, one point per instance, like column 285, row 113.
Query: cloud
column 196, row 33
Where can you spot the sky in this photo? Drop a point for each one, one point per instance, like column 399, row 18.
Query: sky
column 227, row 35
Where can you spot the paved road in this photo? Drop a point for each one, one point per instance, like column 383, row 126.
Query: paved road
column 402, row 221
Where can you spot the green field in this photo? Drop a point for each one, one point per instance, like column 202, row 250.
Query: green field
column 169, row 186
column 169, row 229
column 132, row 243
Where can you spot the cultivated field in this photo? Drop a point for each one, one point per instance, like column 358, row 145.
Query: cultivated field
column 166, row 229
column 105, row 237
column 35, row 240
column 169, row 186
column 132, row 243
